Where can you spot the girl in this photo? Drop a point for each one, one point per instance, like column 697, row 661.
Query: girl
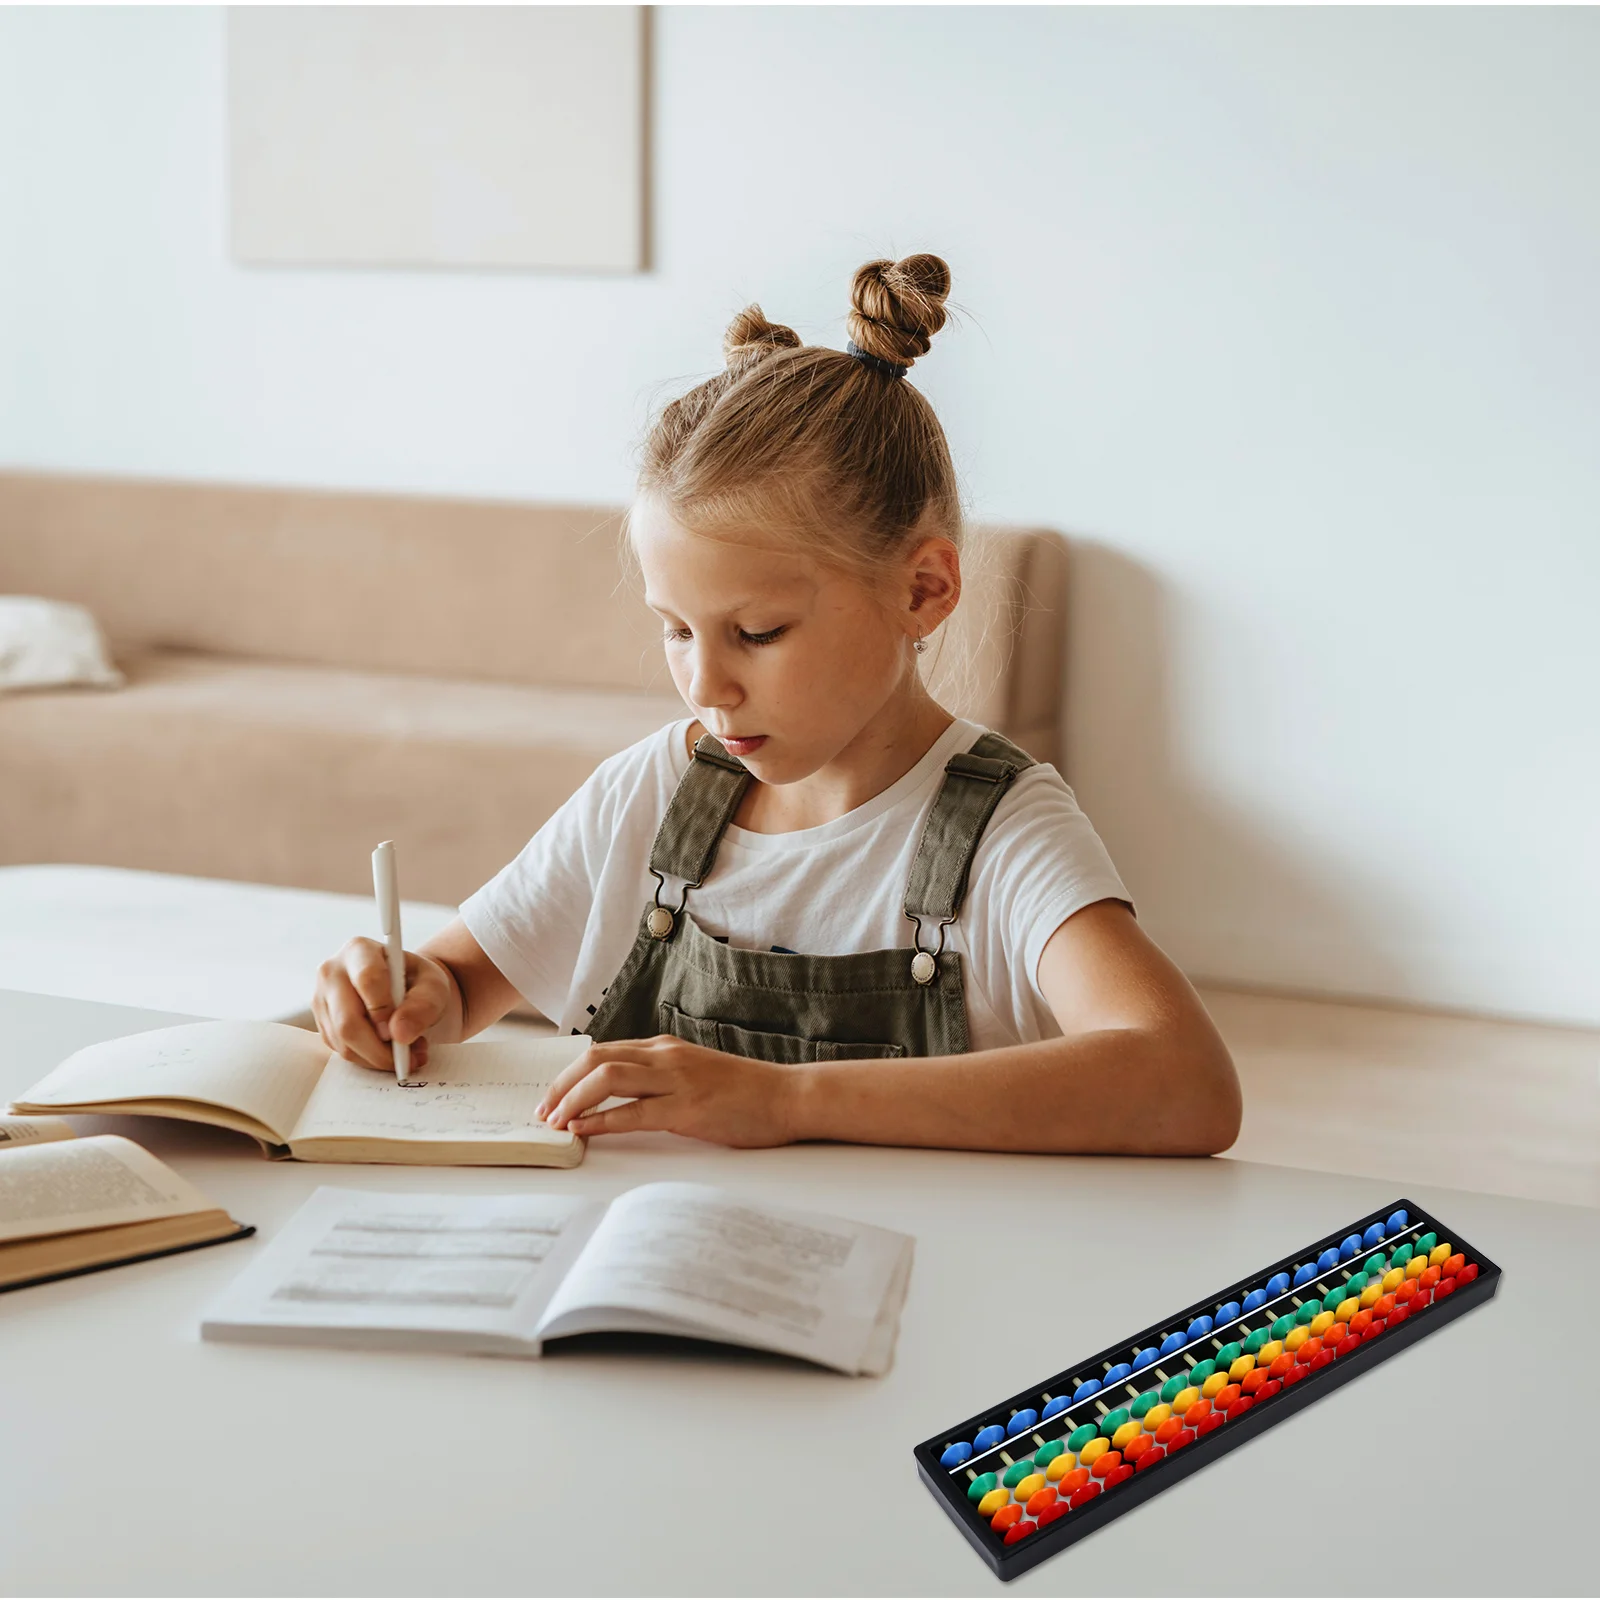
column 823, row 908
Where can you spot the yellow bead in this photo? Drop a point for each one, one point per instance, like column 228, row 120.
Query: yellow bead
column 1347, row 1309
column 1439, row 1255
column 1155, row 1416
column 1370, row 1296
column 1392, row 1279
column 1243, row 1365
column 1125, row 1435
column 992, row 1502
column 1321, row 1323
column 1213, row 1385
column 1269, row 1353
column 1185, row 1399
column 1060, row 1467
column 1029, row 1487
column 1296, row 1338
column 1093, row 1451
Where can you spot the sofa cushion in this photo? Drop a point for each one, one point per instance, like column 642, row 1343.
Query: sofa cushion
column 290, row 774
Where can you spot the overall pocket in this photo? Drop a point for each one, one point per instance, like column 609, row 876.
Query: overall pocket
column 786, row 1048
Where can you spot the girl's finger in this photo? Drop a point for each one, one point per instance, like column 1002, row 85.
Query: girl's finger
column 609, row 1078
column 354, row 1036
column 635, row 1117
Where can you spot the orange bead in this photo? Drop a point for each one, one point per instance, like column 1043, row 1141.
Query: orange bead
column 1107, row 1464
column 1429, row 1278
column 1197, row 1413
column 1005, row 1516
column 1141, row 1446
column 1280, row 1367
column 1168, row 1431
column 1073, row 1482
column 1384, row 1308
column 1037, row 1502
column 1453, row 1265
column 1360, row 1323
column 1226, row 1397
column 1406, row 1293
column 1309, row 1352
column 1254, row 1380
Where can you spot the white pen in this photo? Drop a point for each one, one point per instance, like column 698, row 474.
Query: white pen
column 386, row 886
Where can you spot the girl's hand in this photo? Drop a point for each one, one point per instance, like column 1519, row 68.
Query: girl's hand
column 680, row 1088
column 352, row 1010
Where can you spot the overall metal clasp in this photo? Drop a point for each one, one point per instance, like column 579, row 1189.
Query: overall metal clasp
column 925, row 963
column 660, row 921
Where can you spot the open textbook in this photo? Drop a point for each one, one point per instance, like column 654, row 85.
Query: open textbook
column 473, row 1106
column 70, row 1205
column 500, row 1274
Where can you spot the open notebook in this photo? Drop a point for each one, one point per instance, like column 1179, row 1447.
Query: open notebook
column 70, row 1205
column 500, row 1274
column 473, row 1105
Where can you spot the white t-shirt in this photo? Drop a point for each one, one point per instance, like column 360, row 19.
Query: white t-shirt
column 559, row 920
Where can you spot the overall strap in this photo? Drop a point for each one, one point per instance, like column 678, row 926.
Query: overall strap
column 700, row 810
column 975, row 782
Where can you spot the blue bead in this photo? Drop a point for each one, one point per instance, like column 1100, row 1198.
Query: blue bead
column 1328, row 1259
column 1350, row 1246
column 955, row 1454
column 1060, row 1403
column 1200, row 1327
column 1122, row 1370
column 1173, row 1343
column 1084, row 1390
column 1373, row 1235
column 1226, row 1313
column 1254, row 1300
column 1144, row 1358
column 1304, row 1275
column 991, row 1436
column 1278, row 1285
column 1397, row 1222
column 1024, row 1419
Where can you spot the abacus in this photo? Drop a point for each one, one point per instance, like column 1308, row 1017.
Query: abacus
column 1029, row 1477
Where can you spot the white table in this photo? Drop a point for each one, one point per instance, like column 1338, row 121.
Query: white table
column 203, row 946
column 138, row 1459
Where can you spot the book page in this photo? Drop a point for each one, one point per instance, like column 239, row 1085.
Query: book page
column 353, row 1259
column 472, row 1093
column 61, row 1187
column 266, row 1070
column 18, row 1131
column 687, row 1258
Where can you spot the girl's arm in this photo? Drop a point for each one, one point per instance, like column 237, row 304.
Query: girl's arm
column 1141, row 1069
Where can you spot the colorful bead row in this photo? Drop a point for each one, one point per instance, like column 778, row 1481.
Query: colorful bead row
column 1064, row 1474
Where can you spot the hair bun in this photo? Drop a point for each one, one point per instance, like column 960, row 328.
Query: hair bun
column 750, row 337
column 896, row 307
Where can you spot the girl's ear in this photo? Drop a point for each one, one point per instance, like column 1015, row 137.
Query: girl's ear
column 933, row 573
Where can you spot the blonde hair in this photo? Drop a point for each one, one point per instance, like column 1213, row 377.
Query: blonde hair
column 810, row 444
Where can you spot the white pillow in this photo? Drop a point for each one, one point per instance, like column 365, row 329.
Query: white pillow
column 50, row 643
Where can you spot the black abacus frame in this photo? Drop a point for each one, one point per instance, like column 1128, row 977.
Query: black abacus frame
column 949, row 1486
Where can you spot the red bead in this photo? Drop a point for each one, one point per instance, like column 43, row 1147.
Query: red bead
column 1324, row 1359
column 1293, row 1375
column 1399, row 1315
column 1424, row 1296
column 1051, row 1512
column 1348, row 1343
column 1270, row 1388
column 1150, row 1457
column 1085, row 1495
column 1019, row 1530
column 1254, row 1380
column 1446, row 1286
column 1005, row 1516
column 1372, row 1330
column 1121, row 1475
column 1213, row 1422
column 1239, row 1407
column 1467, row 1273
column 1186, row 1436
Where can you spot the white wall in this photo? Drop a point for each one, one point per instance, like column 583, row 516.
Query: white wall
column 1288, row 316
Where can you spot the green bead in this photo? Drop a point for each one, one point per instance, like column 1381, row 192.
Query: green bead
column 1253, row 1344
column 1280, row 1328
column 1200, row 1372
column 1306, row 1312
column 1401, row 1256
column 981, row 1485
column 1172, row 1388
column 1113, row 1420
column 1015, row 1473
column 1079, row 1437
column 1356, row 1284
column 1229, row 1353
column 1143, row 1404
column 1376, row 1266
column 1426, row 1243
column 1045, row 1454
column 1331, row 1299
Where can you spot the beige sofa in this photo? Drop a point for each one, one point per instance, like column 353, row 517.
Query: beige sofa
column 310, row 672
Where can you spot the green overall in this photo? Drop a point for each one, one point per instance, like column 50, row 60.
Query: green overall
column 774, row 1006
